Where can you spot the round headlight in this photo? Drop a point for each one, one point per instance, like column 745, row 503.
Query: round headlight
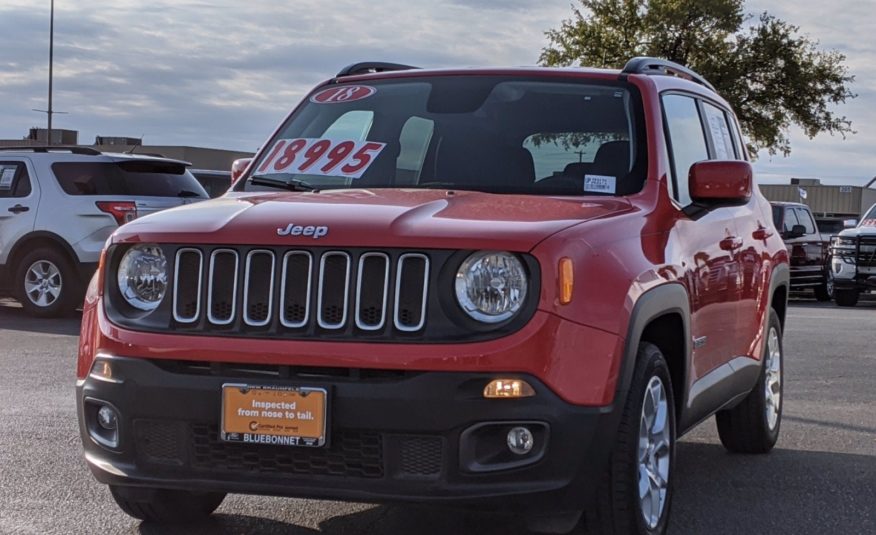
column 491, row 286
column 142, row 276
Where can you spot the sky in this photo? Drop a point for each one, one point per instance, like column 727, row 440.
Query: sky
column 223, row 74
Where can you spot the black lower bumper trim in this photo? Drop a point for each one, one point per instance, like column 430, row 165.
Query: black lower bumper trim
column 390, row 439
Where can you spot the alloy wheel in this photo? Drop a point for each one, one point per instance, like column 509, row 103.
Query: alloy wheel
column 654, row 452
column 773, row 379
column 42, row 283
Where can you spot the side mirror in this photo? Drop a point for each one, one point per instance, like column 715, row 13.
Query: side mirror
column 796, row 231
column 238, row 167
column 716, row 182
column 850, row 223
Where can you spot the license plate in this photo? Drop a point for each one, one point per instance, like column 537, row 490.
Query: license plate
column 272, row 415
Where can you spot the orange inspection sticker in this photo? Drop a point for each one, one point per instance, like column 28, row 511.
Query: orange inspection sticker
column 274, row 415
column 322, row 157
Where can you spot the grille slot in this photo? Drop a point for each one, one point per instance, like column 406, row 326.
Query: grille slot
column 187, row 285
column 222, row 286
column 411, row 285
column 334, row 290
column 351, row 454
column 372, row 287
column 258, row 288
column 295, row 285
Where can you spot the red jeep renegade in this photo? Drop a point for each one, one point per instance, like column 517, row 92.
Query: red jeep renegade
column 507, row 288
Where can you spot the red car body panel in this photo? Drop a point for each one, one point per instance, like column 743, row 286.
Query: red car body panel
column 621, row 248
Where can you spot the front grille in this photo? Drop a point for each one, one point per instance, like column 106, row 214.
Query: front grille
column 421, row 456
column 300, row 291
column 350, row 454
column 161, row 441
column 866, row 252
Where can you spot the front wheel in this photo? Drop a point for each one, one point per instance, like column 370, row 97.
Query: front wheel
column 165, row 506
column 846, row 298
column 635, row 492
column 824, row 293
column 753, row 425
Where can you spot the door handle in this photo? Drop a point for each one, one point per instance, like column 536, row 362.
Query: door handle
column 761, row 233
column 17, row 209
column 731, row 243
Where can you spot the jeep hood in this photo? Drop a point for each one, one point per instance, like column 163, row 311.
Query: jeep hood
column 408, row 218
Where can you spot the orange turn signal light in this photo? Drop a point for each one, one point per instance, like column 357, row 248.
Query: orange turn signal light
column 566, row 280
column 508, row 388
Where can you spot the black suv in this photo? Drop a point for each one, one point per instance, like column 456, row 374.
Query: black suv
column 808, row 251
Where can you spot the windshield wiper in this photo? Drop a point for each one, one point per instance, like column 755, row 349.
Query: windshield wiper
column 292, row 184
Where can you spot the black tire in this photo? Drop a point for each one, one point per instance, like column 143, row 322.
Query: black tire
column 165, row 506
column 746, row 427
column 824, row 293
column 617, row 508
column 47, row 305
column 846, row 298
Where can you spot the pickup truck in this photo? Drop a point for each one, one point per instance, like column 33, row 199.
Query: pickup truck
column 853, row 259
column 809, row 251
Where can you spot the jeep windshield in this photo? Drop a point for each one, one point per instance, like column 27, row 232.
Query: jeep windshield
column 486, row 133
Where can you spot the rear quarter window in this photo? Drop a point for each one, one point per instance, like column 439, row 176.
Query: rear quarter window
column 134, row 178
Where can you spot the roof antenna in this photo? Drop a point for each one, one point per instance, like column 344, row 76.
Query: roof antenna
column 134, row 147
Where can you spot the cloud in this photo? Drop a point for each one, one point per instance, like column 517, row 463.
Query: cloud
column 224, row 73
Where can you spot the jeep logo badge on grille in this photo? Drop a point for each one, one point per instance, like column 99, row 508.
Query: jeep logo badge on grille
column 299, row 230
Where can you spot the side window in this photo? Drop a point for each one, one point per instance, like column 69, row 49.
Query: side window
column 720, row 131
column 737, row 137
column 14, row 180
column 687, row 139
column 805, row 220
column 790, row 220
column 777, row 216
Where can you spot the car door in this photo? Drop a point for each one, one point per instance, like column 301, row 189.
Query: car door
column 710, row 243
column 19, row 197
column 752, row 226
column 811, row 261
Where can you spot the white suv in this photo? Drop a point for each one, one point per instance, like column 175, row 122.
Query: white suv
column 58, row 205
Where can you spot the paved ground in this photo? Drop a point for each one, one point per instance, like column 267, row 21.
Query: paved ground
column 820, row 479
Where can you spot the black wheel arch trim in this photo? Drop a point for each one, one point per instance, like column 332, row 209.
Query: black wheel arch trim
column 663, row 300
column 41, row 235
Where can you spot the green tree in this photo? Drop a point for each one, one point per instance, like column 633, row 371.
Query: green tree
column 773, row 76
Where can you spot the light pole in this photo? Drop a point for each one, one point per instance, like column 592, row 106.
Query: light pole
column 49, row 111
column 51, row 57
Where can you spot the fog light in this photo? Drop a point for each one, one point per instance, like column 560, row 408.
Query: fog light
column 508, row 388
column 107, row 418
column 520, row 440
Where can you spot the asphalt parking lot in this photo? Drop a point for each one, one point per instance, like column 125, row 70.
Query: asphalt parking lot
column 821, row 478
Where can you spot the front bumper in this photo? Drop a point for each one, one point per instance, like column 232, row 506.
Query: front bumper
column 397, row 436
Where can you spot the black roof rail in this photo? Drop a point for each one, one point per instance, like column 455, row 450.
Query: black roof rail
column 88, row 151
column 646, row 65
column 367, row 67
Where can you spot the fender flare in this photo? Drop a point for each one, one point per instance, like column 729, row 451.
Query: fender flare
column 60, row 242
column 669, row 298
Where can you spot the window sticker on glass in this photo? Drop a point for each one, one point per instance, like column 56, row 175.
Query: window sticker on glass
column 600, row 184
column 7, row 174
column 321, row 157
column 342, row 94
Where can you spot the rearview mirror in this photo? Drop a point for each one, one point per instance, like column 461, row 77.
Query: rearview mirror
column 850, row 223
column 238, row 167
column 716, row 182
